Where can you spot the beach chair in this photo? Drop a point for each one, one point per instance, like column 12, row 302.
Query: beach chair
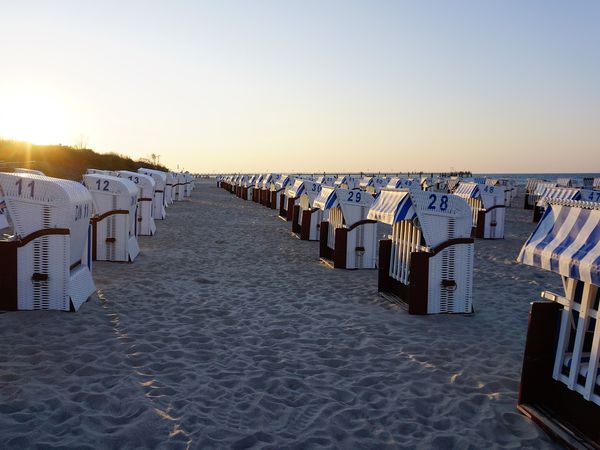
column 347, row 239
column 403, row 183
column 247, row 187
column 292, row 196
column 268, row 184
column 44, row 252
column 427, row 263
column 507, row 186
column 182, row 182
column 114, row 219
column 159, row 201
column 278, row 198
column 552, row 193
column 188, row 184
column 145, row 184
column 305, row 216
column 560, row 379
column 487, row 209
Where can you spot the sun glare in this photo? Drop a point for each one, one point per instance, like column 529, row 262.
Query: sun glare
column 33, row 117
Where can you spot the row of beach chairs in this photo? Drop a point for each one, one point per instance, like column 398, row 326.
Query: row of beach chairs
column 539, row 192
column 426, row 262
column 52, row 229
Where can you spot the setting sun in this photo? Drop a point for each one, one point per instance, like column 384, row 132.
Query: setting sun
column 33, row 116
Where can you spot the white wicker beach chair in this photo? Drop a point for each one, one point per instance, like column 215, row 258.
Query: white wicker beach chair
column 160, row 185
column 145, row 217
column 488, row 208
column 306, row 217
column 347, row 239
column 560, row 382
column 45, row 261
column 278, row 197
column 114, row 221
column 427, row 263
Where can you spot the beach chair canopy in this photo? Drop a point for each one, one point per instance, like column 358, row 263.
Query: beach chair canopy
column 402, row 183
column 36, row 202
column 326, row 180
column 125, row 191
column 296, row 190
column 145, row 183
column 284, row 181
column 267, row 180
column 347, row 199
column 431, row 209
column 541, row 187
column 365, row 182
column 312, row 189
column 566, row 241
column 531, row 184
column 558, row 193
column 160, row 178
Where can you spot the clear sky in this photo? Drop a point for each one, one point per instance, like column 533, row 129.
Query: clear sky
column 311, row 85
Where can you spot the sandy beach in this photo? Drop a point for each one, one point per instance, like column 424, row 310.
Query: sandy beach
column 227, row 332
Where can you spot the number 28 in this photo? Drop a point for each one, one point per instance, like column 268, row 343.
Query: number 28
column 434, row 204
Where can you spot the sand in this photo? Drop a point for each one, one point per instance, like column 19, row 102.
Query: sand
column 227, row 332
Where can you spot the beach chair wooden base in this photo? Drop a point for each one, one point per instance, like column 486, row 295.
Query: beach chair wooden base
column 305, row 228
column 561, row 412
column 296, row 226
column 414, row 295
column 273, row 195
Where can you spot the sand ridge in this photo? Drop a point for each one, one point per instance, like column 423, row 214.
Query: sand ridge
column 227, row 332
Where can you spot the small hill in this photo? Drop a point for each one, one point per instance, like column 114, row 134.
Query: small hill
column 64, row 162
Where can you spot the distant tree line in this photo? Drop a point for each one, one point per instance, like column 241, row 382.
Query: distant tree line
column 64, row 161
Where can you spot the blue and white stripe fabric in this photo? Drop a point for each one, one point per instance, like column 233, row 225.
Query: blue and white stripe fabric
column 296, row 190
column 566, row 241
column 558, row 193
column 392, row 206
column 327, row 199
column 467, row 190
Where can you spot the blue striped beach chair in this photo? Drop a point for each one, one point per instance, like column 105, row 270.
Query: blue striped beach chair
column 427, row 262
column 560, row 383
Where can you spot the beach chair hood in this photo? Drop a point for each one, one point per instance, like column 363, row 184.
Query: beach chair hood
column 566, row 241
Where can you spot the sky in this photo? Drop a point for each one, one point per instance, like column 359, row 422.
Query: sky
column 309, row 86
